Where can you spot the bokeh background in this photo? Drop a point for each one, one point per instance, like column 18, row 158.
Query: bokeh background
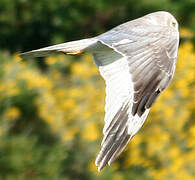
column 52, row 109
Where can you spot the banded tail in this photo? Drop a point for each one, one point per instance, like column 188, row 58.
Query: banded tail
column 69, row 48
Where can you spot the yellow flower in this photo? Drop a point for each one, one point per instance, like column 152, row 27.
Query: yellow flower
column 12, row 113
column 92, row 167
column 191, row 142
column 70, row 133
column 90, row 132
column 186, row 33
column 50, row 60
column 16, row 57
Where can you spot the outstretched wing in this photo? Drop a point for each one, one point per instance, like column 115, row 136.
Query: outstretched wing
column 133, row 82
column 152, row 58
column 69, row 48
column 118, row 117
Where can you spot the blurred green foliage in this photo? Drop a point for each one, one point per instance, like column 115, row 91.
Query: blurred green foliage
column 51, row 121
column 26, row 24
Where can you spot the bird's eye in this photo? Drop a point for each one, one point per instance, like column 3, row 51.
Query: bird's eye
column 173, row 24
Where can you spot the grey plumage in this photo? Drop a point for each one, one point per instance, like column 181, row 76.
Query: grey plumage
column 70, row 48
column 137, row 60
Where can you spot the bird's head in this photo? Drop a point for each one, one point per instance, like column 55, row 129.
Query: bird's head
column 162, row 18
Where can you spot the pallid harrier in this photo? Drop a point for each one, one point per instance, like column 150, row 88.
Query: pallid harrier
column 137, row 59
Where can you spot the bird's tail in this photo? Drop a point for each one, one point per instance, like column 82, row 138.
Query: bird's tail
column 70, row 48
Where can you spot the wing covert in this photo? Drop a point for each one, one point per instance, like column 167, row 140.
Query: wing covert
column 151, row 55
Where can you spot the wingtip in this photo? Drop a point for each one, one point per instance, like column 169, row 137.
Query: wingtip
column 25, row 55
column 37, row 53
column 99, row 165
column 22, row 55
column 109, row 163
column 112, row 160
column 96, row 162
column 99, row 169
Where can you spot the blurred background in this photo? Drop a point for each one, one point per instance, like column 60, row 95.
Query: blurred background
column 52, row 109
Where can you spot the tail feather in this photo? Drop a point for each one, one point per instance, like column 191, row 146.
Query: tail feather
column 70, row 48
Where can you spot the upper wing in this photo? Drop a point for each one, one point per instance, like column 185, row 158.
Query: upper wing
column 133, row 83
column 151, row 62
column 152, row 56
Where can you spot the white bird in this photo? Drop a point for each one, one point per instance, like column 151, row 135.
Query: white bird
column 137, row 60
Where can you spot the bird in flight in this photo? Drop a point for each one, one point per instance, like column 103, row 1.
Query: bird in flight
column 137, row 60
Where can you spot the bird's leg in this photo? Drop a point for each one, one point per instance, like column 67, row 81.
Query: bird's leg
column 75, row 53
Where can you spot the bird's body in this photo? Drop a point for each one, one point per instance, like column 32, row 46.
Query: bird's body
column 137, row 60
